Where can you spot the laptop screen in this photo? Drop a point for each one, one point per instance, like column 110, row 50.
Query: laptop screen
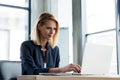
column 96, row 59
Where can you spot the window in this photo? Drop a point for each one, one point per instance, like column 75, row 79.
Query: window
column 100, row 20
column 14, row 26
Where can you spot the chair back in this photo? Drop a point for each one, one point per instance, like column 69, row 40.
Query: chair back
column 9, row 70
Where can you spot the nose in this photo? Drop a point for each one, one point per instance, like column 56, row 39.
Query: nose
column 52, row 31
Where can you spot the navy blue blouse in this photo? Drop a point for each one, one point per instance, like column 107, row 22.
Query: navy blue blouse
column 32, row 58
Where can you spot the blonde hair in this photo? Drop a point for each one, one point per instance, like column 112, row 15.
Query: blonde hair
column 43, row 18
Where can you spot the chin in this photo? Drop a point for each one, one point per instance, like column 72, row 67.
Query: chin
column 49, row 38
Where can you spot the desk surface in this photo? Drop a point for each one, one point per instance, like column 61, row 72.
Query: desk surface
column 72, row 77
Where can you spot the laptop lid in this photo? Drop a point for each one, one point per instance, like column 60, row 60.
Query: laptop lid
column 96, row 59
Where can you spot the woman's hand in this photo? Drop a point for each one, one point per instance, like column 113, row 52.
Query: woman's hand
column 71, row 67
column 68, row 68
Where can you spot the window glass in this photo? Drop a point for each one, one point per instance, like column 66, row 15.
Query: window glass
column 4, row 44
column 13, row 24
column 100, row 15
column 22, row 3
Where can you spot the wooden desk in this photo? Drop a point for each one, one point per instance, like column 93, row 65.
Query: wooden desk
column 76, row 77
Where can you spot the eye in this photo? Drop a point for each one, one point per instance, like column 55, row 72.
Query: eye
column 48, row 27
column 55, row 29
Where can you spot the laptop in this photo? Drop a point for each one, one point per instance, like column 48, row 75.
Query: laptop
column 96, row 60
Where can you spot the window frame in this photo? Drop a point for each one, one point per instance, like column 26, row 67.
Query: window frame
column 28, row 9
column 24, row 8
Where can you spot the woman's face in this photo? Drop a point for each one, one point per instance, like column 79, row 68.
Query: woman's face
column 48, row 30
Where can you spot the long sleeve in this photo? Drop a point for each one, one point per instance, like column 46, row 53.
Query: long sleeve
column 28, row 63
column 32, row 58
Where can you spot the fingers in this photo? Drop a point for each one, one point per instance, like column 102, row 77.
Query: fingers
column 76, row 68
column 71, row 67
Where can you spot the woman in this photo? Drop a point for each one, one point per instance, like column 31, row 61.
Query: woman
column 40, row 54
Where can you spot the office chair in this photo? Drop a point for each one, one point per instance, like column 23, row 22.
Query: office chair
column 9, row 70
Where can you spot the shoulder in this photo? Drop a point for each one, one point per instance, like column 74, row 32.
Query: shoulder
column 56, row 49
column 28, row 43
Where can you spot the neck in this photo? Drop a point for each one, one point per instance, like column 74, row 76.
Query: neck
column 43, row 43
